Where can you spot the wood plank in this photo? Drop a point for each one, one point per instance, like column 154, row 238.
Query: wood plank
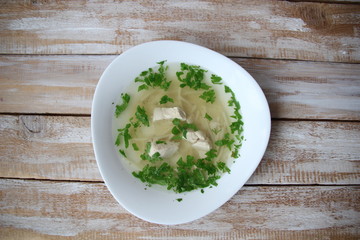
column 260, row 28
column 73, row 210
column 302, row 90
column 327, row 1
column 294, row 89
column 299, row 152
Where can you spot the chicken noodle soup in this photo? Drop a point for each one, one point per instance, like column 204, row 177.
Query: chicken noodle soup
column 177, row 126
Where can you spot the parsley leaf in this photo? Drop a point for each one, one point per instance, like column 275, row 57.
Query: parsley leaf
column 121, row 108
column 118, row 139
column 208, row 117
column 135, row 147
column 166, row 99
column 222, row 167
column 123, row 132
column 215, row 130
column 209, row 96
column 226, row 141
column 122, row 152
column 142, row 116
column 127, row 136
column 215, row 79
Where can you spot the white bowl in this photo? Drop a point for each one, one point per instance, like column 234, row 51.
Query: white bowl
column 154, row 204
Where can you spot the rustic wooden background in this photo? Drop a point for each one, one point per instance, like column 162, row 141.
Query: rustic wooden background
column 304, row 54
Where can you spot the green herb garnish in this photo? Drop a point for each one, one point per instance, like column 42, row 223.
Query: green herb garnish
column 166, row 99
column 123, row 133
column 237, row 124
column 160, row 142
column 226, row 141
column 122, row 152
column 215, row 130
column 153, row 79
column 142, row 116
column 135, row 147
column 215, row 79
column 222, row 167
column 179, row 199
column 120, row 108
column 208, row 117
column 118, row 139
column 162, row 175
column 192, row 76
column 188, row 174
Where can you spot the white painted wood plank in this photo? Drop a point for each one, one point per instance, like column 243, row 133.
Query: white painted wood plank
column 299, row 152
column 65, row 85
column 259, row 28
column 73, row 210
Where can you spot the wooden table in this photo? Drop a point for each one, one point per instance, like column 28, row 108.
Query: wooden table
column 304, row 55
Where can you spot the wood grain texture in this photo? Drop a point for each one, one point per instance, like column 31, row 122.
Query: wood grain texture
column 294, row 89
column 299, row 152
column 327, row 1
column 261, row 28
column 70, row 210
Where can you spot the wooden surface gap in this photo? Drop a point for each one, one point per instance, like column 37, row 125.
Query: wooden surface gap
column 245, row 185
column 89, row 115
column 249, row 185
column 232, row 57
column 58, row 180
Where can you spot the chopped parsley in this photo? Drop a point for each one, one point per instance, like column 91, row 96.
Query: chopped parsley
column 121, row 108
column 222, row 167
column 135, row 147
column 208, row 96
column 179, row 199
column 123, row 133
column 237, row 124
column 154, row 79
column 208, row 117
column 187, row 175
column 122, row 152
column 215, row 79
column 192, row 76
column 226, row 141
column 166, row 99
column 160, row 142
column 142, row 116
column 215, row 130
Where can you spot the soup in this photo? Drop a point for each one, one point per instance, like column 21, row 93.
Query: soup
column 178, row 125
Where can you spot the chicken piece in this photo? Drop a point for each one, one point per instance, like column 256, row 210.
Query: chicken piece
column 168, row 113
column 198, row 140
column 202, row 145
column 193, row 137
column 165, row 149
